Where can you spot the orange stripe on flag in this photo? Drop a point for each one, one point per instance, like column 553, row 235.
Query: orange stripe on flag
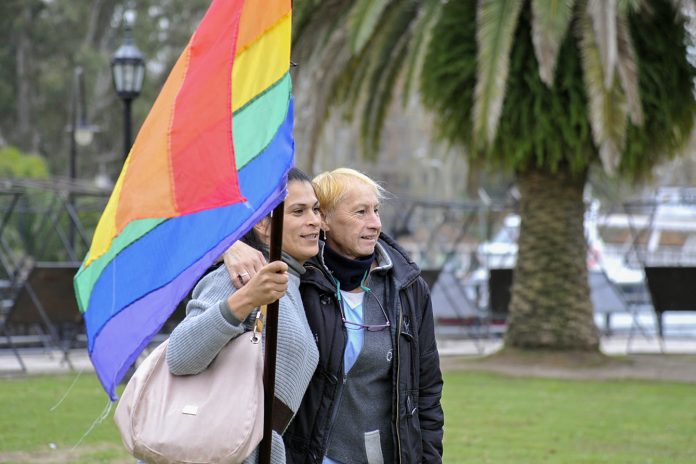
column 147, row 190
column 259, row 16
column 201, row 147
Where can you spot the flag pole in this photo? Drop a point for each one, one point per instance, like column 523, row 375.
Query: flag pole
column 271, row 340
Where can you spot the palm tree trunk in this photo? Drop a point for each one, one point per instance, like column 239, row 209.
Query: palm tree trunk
column 550, row 306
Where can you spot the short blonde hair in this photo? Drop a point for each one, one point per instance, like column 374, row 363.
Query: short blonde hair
column 331, row 186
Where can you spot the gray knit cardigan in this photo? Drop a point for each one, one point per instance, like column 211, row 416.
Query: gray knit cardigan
column 209, row 325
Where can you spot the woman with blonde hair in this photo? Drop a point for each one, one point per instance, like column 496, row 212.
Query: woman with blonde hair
column 375, row 396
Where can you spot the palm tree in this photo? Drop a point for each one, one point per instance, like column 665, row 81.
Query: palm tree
column 542, row 88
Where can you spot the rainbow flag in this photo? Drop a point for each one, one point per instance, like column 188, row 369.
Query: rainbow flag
column 209, row 162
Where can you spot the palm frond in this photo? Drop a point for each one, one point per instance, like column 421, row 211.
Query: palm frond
column 350, row 87
column 390, row 47
column 302, row 15
column 666, row 76
column 497, row 20
column 628, row 70
column 448, row 75
column 681, row 5
column 363, row 19
column 360, row 54
column 320, row 47
column 603, row 17
column 629, row 6
column 550, row 21
column 314, row 23
column 607, row 107
column 422, row 34
column 314, row 100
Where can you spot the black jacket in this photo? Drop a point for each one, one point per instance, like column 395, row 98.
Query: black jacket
column 417, row 380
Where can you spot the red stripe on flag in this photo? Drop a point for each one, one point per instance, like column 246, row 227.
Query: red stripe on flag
column 201, row 147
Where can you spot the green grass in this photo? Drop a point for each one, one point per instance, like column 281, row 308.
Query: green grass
column 496, row 419
column 28, row 425
column 488, row 419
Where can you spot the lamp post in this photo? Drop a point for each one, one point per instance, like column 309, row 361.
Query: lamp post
column 128, row 71
column 81, row 133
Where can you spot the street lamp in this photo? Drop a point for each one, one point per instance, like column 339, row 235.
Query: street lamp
column 81, row 133
column 128, row 71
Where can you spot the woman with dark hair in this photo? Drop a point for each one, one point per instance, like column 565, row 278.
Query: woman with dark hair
column 218, row 312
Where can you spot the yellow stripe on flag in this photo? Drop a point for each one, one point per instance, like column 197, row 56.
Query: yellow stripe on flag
column 257, row 17
column 268, row 59
column 106, row 228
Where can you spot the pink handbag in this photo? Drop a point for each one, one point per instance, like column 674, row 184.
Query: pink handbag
column 212, row 417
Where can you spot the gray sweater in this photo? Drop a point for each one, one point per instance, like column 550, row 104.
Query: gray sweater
column 209, row 325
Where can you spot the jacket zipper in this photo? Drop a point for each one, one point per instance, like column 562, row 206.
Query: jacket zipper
column 398, row 379
column 337, row 401
column 334, row 414
column 398, row 368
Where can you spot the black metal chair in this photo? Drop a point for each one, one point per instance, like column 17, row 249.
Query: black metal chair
column 671, row 289
column 45, row 312
column 499, row 294
column 430, row 276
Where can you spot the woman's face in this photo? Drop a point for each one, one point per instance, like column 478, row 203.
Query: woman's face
column 353, row 227
column 301, row 222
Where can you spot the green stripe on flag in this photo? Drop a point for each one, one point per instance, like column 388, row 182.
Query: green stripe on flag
column 256, row 123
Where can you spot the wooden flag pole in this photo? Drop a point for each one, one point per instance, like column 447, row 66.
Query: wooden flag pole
column 271, row 342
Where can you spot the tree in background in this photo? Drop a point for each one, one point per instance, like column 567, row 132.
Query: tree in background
column 43, row 42
column 14, row 163
column 544, row 89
